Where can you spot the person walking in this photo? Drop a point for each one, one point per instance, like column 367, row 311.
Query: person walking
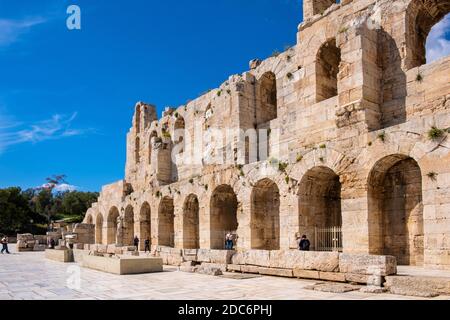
column 136, row 243
column 5, row 245
column 305, row 244
column 147, row 246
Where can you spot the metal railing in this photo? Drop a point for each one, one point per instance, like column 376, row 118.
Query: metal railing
column 328, row 239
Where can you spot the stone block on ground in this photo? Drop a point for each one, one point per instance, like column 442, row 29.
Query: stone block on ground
column 423, row 285
column 372, row 280
column 64, row 256
column 233, row 268
column 260, row 258
column 334, row 287
column 287, row 259
column 367, row 264
column 210, row 271
column 190, row 254
column 188, row 269
column 332, row 276
column 250, row 269
column 373, row 289
column 321, row 261
column 221, row 267
column 276, row 272
column 123, row 265
column 306, row 274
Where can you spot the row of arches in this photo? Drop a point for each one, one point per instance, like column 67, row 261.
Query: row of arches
column 395, row 213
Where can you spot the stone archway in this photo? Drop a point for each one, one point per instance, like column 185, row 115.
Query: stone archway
column 111, row 225
column 396, row 210
column 99, row 229
column 89, row 219
column 128, row 227
column 191, row 223
column 319, row 197
column 421, row 17
column 327, row 69
column 166, row 228
column 265, row 216
column 145, row 225
column 223, row 215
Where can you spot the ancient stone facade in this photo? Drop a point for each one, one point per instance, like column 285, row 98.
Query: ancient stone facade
column 351, row 133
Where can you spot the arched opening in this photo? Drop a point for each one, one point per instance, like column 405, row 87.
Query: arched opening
column 265, row 216
column 421, row 17
column 111, row 225
column 266, row 111
column 179, row 128
column 327, row 69
column 99, row 229
column 138, row 150
column 191, row 223
column 138, row 118
column 128, row 227
column 89, row 219
column 438, row 40
column 223, row 215
column 166, row 229
column 320, row 215
column 145, row 225
column 153, row 135
column 396, row 210
column 268, row 97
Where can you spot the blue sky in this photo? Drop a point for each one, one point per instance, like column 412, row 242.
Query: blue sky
column 67, row 97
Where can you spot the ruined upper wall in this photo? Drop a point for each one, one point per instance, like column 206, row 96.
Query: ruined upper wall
column 354, row 70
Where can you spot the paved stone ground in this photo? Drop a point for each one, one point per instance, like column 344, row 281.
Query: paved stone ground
column 29, row 276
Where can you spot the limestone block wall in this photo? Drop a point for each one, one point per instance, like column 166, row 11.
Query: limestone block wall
column 356, row 128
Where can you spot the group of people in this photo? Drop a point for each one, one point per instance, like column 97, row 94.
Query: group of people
column 146, row 242
column 4, row 242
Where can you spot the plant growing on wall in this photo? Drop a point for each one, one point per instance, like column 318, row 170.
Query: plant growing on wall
column 419, row 77
column 432, row 175
column 282, row 166
column 299, row 158
column 435, row 133
column 382, row 136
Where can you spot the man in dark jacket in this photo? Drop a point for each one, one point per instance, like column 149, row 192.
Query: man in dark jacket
column 136, row 243
column 147, row 246
column 305, row 244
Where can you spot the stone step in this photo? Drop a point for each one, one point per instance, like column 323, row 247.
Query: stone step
column 418, row 286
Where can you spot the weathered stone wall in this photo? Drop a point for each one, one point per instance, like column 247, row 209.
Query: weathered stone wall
column 345, row 111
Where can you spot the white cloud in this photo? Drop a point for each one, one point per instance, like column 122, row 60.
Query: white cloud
column 57, row 127
column 64, row 187
column 11, row 30
column 438, row 45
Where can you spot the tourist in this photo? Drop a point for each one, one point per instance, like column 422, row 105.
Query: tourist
column 147, row 246
column 52, row 244
column 229, row 241
column 136, row 243
column 5, row 245
column 305, row 244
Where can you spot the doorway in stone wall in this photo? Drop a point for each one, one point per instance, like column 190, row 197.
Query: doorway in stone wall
column 265, row 216
column 320, row 215
column 223, row 215
column 396, row 225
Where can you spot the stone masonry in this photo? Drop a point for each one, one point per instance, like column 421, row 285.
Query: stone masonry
column 346, row 131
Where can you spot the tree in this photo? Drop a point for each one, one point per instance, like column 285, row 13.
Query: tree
column 77, row 203
column 15, row 212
